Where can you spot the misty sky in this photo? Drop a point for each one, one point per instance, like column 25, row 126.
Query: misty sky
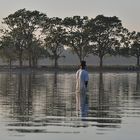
column 127, row 10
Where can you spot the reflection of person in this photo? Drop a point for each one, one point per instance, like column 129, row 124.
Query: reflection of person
column 82, row 79
column 81, row 105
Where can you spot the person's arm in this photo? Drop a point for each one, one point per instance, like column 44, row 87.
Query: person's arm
column 86, row 83
column 86, row 79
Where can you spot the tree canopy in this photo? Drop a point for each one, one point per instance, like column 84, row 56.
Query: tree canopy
column 29, row 35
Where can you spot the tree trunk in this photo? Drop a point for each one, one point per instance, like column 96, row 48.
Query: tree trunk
column 20, row 59
column 30, row 60
column 10, row 63
column 34, row 61
column 138, row 81
column 56, row 62
column 138, row 61
column 101, row 62
column 80, row 58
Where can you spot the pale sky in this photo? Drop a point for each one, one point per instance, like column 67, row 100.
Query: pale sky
column 128, row 11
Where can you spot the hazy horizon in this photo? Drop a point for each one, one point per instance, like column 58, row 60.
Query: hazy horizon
column 72, row 59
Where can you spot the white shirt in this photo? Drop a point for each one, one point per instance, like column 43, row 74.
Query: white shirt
column 81, row 77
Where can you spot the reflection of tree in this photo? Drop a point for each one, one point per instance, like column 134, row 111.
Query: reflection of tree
column 54, row 98
column 55, row 105
column 125, row 86
column 6, row 83
column 24, row 95
column 138, row 82
column 16, row 94
column 102, row 98
column 55, row 79
column 54, row 94
column 105, row 108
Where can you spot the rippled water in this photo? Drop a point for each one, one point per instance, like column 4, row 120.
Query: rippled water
column 35, row 105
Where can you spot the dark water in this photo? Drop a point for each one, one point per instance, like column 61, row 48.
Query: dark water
column 43, row 106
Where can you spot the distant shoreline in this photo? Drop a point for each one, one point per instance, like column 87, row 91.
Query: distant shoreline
column 71, row 68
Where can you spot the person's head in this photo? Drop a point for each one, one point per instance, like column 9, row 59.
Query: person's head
column 83, row 64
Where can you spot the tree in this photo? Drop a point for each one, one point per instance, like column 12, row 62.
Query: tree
column 77, row 37
column 23, row 26
column 37, row 51
column 7, row 49
column 126, row 38
column 135, row 48
column 55, row 40
column 15, row 40
column 106, row 38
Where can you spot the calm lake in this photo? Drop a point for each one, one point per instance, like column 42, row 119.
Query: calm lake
column 43, row 105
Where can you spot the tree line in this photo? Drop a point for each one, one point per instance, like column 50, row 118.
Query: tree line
column 31, row 35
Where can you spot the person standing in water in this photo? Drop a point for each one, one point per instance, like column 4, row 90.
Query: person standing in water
column 82, row 79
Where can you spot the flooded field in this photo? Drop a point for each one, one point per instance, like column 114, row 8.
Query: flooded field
column 35, row 105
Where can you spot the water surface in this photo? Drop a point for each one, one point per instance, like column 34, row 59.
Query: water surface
column 36, row 105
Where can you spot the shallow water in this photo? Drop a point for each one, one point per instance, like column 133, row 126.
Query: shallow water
column 35, row 105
